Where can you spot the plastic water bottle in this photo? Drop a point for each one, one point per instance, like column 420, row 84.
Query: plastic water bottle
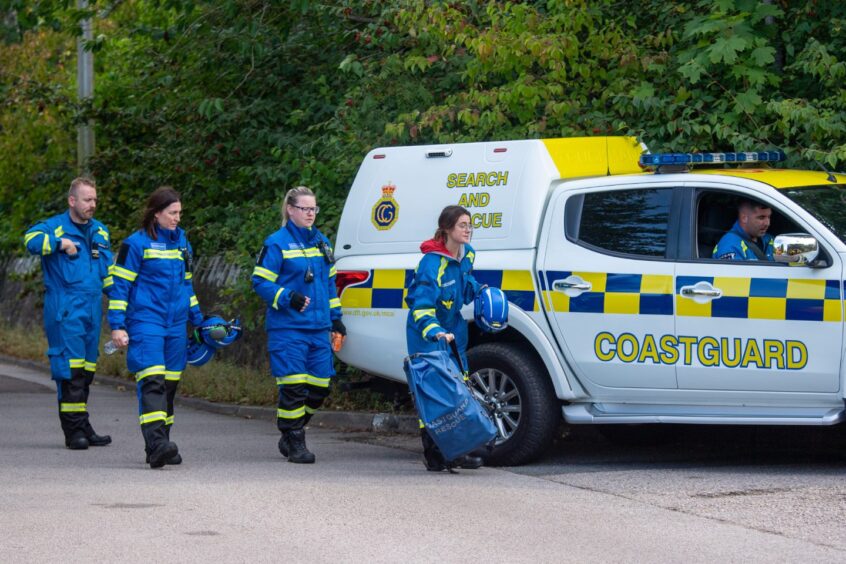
column 110, row 347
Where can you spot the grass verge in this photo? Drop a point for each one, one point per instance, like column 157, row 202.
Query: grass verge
column 217, row 381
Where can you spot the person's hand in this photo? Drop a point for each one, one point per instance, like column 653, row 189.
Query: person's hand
column 338, row 327
column 448, row 336
column 299, row 302
column 120, row 338
column 68, row 247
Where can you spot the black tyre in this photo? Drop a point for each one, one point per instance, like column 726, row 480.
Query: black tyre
column 515, row 388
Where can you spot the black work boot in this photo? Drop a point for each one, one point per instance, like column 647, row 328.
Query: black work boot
column 284, row 447
column 298, row 452
column 99, row 440
column 77, row 442
column 172, row 461
column 432, row 457
column 160, row 455
column 468, row 462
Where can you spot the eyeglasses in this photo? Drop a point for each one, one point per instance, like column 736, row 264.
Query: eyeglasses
column 465, row 226
column 315, row 210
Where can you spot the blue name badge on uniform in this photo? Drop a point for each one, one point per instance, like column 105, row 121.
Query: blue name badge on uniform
column 158, row 246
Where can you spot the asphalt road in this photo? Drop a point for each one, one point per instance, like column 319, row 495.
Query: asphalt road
column 706, row 495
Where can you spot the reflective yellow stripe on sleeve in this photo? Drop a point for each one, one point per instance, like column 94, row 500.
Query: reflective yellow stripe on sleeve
column 429, row 328
column 333, row 271
column 418, row 313
column 72, row 408
column 108, row 281
column 124, row 273
column 118, row 305
column 59, row 231
column 262, row 272
column 194, row 301
column 334, row 302
column 30, row 236
column 276, row 298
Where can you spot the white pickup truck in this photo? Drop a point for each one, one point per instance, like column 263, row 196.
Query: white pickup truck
column 619, row 314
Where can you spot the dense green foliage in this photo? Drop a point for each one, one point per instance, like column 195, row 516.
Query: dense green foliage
column 235, row 101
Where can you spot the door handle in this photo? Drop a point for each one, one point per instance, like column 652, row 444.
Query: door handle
column 701, row 292
column 691, row 291
column 565, row 285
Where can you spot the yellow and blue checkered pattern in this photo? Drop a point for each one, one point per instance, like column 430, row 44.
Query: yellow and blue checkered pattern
column 636, row 294
column 387, row 288
column 765, row 298
column 742, row 298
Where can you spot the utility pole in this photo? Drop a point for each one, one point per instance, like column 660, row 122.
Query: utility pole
column 84, row 90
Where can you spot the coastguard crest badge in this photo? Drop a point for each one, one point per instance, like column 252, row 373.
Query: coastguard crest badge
column 386, row 209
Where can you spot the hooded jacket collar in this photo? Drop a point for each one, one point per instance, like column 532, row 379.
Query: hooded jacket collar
column 439, row 248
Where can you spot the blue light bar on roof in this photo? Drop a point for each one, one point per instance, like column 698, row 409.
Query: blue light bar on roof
column 663, row 159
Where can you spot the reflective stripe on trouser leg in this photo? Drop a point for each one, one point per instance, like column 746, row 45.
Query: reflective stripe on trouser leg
column 152, row 408
column 73, row 407
column 318, row 389
column 290, row 408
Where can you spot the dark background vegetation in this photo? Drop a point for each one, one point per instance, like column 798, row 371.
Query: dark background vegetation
column 235, row 101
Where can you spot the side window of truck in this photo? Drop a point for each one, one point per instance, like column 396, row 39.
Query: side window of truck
column 716, row 212
column 630, row 222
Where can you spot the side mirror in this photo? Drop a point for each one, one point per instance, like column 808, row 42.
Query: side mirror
column 796, row 249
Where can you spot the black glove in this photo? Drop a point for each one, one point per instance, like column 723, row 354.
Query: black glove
column 298, row 301
column 338, row 327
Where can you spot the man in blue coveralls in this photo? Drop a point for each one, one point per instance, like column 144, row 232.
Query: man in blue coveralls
column 748, row 238
column 75, row 258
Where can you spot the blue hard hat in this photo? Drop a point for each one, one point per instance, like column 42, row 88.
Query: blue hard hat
column 216, row 332
column 199, row 352
column 491, row 310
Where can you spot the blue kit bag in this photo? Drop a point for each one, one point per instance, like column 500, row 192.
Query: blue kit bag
column 451, row 414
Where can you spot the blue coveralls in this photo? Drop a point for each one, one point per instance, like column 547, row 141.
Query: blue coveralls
column 298, row 342
column 442, row 286
column 152, row 298
column 72, row 309
column 732, row 245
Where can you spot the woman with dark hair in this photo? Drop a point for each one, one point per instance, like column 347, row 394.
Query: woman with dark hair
column 443, row 283
column 149, row 303
column 295, row 276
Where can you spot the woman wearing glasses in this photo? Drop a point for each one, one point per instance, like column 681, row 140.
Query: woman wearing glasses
column 443, row 284
column 295, row 276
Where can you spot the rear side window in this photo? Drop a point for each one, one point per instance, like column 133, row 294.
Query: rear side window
column 632, row 222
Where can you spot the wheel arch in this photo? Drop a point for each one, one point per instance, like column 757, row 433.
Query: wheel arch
column 522, row 329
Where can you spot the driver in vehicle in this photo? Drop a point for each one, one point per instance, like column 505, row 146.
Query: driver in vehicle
column 748, row 238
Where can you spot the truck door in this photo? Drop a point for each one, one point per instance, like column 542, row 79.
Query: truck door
column 607, row 283
column 755, row 325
